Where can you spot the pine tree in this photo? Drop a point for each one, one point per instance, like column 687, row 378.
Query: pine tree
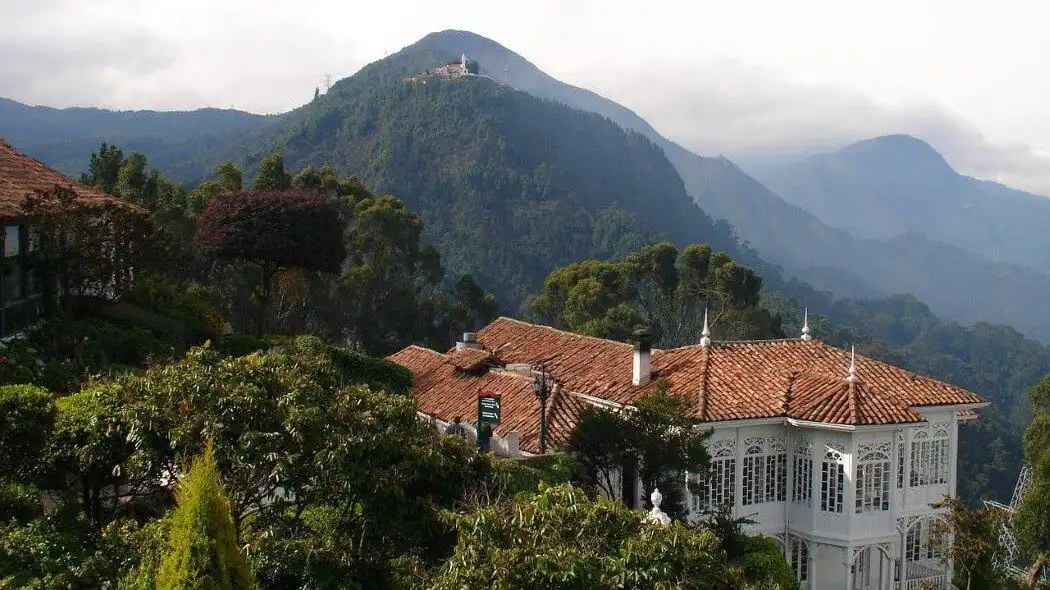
column 202, row 548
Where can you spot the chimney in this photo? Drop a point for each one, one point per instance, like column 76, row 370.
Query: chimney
column 470, row 340
column 642, row 353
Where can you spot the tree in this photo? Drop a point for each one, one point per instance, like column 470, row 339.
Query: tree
column 271, row 175
column 561, row 539
column 656, row 436
column 317, row 92
column 270, row 231
column 1032, row 519
column 973, row 534
column 308, row 179
column 661, row 287
column 104, row 169
column 203, row 551
column 228, row 180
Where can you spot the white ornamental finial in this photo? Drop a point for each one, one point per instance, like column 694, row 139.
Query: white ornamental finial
column 805, row 327
column 656, row 515
column 852, row 378
column 705, row 335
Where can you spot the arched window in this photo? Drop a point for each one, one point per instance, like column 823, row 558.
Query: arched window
column 798, row 554
column 802, row 475
column 832, row 478
column 930, row 457
column 718, row 486
column 873, row 478
column 921, row 543
column 765, row 471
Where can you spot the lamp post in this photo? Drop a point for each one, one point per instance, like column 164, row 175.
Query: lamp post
column 542, row 383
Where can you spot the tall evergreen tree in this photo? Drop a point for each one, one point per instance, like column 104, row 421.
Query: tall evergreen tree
column 202, row 547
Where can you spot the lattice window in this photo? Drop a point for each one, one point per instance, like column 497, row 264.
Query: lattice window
column 764, row 472
column 799, row 552
column 832, row 478
column 900, row 459
column 719, row 485
column 930, row 458
column 921, row 544
column 873, row 478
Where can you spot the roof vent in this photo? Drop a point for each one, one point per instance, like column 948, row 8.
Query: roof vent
column 470, row 340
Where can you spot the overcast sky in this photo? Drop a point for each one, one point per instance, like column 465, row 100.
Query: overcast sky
column 739, row 77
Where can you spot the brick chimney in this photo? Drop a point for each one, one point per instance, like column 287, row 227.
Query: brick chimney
column 642, row 352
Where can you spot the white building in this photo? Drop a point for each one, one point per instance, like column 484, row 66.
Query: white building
column 838, row 457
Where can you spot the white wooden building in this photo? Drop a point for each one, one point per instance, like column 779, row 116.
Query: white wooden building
column 839, row 457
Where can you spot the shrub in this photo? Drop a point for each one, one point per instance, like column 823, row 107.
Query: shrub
column 27, row 416
column 237, row 345
column 18, row 502
column 202, row 549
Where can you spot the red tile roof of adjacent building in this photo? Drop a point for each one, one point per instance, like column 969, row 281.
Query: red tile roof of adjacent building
column 444, row 390
column 21, row 175
column 803, row 380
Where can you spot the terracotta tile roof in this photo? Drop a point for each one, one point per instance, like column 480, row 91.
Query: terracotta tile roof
column 445, row 391
column 730, row 381
column 20, row 175
column 469, row 359
column 725, row 381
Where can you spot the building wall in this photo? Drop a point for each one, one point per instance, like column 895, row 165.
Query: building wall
column 851, row 496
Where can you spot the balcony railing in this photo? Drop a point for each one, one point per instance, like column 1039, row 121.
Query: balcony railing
column 921, row 577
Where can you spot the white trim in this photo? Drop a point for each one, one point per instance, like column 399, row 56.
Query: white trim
column 776, row 421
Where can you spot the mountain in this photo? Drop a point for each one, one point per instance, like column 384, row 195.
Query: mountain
column 886, row 186
column 65, row 138
column 789, row 235
column 509, row 185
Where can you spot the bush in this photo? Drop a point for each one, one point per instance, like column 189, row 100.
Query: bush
column 19, row 502
column 27, row 416
column 374, row 372
column 236, row 345
column 193, row 305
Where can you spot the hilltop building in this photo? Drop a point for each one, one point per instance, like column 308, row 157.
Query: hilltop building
column 836, row 456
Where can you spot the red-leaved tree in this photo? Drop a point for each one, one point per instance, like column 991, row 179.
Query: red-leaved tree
column 270, row 231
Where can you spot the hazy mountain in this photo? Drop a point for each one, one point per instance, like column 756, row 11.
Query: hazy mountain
column 883, row 187
column 174, row 140
column 785, row 233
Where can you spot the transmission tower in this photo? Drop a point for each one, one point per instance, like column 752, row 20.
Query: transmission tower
column 1011, row 554
column 327, row 82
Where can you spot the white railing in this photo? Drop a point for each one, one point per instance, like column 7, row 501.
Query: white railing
column 921, row 577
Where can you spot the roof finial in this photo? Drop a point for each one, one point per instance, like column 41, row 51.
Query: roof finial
column 705, row 335
column 852, row 378
column 805, row 326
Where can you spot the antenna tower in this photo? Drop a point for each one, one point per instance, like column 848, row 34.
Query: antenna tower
column 327, row 82
column 1008, row 558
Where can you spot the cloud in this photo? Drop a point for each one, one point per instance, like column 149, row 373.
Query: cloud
column 723, row 106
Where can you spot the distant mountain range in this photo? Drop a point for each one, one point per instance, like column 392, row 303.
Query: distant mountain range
column 883, row 187
column 877, row 218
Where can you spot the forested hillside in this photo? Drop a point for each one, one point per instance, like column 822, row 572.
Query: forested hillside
column 510, row 185
column 64, row 138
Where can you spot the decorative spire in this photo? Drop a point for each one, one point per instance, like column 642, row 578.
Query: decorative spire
column 656, row 515
column 852, row 378
column 705, row 335
column 805, row 326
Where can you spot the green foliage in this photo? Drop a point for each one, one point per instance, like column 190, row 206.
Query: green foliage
column 192, row 304
column 974, row 537
column 271, row 175
column 18, row 502
column 27, row 415
column 245, row 344
column 560, row 539
column 657, row 437
column 63, row 354
column 525, row 476
column 660, row 287
column 203, row 552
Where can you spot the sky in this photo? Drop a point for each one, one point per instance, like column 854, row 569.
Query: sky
column 745, row 78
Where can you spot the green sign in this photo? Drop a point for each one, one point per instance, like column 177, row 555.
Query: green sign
column 488, row 408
